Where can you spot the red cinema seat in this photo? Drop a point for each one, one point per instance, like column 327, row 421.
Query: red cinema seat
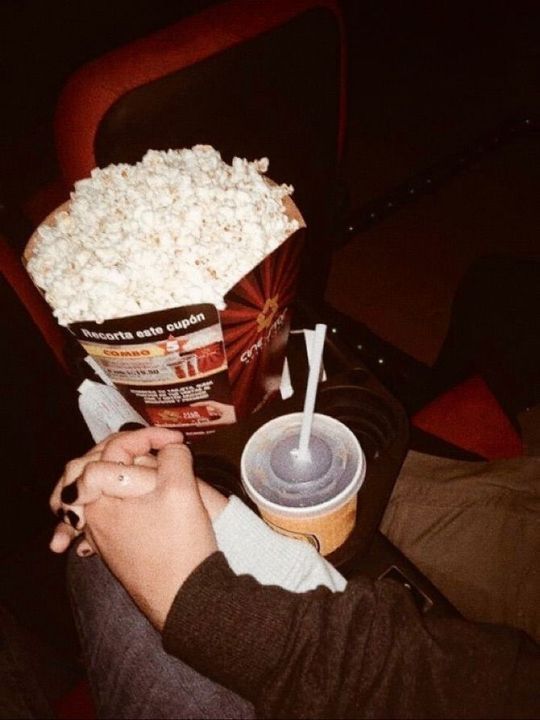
column 469, row 417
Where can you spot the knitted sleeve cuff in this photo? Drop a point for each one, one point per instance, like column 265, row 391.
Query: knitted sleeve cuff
column 253, row 548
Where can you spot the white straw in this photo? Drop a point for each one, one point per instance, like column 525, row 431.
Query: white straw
column 317, row 348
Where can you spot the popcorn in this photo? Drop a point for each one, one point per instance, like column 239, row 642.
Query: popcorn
column 180, row 227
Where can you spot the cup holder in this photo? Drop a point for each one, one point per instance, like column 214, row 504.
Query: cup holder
column 372, row 419
column 376, row 419
column 220, row 473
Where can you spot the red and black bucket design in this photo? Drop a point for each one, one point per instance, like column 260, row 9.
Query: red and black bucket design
column 256, row 326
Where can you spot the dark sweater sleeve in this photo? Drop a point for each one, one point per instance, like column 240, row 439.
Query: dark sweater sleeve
column 365, row 652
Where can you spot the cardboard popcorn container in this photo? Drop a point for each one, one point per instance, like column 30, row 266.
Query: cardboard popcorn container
column 196, row 367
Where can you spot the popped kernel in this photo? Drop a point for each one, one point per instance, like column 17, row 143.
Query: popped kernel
column 180, row 227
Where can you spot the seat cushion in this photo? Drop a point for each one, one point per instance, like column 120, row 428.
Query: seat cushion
column 77, row 704
column 470, row 417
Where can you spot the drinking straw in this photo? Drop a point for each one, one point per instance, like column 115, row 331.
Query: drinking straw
column 311, row 392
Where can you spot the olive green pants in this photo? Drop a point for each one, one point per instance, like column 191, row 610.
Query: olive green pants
column 473, row 528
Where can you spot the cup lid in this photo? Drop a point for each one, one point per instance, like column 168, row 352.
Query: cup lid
column 274, row 475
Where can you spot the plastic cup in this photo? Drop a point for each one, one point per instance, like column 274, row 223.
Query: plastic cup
column 313, row 500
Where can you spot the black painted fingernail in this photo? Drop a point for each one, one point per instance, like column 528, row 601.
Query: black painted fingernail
column 131, row 426
column 73, row 518
column 70, row 493
column 60, row 514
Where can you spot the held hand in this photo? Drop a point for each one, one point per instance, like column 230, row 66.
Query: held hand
column 65, row 501
column 69, row 505
column 154, row 541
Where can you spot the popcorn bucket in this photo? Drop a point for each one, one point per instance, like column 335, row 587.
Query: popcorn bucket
column 196, row 367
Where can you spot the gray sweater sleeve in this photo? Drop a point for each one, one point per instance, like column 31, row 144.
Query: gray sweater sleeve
column 253, row 548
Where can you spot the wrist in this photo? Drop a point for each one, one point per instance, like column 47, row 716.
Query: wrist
column 214, row 502
column 156, row 599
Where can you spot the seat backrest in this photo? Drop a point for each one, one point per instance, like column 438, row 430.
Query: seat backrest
column 16, row 276
column 252, row 79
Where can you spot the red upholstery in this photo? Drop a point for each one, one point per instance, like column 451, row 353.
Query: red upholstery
column 15, row 274
column 470, row 417
column 45, row 200
column 77, row 704
column 91, row 91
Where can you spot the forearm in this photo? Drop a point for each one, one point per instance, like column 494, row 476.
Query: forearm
column 153, row 559
column 269, row 645
column 207, row 614
column 364, row 652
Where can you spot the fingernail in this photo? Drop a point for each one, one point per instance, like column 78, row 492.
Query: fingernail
column 60, row 514
column 86, row 552
column 131, row 426
column 70, row 493
column 73, row 518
